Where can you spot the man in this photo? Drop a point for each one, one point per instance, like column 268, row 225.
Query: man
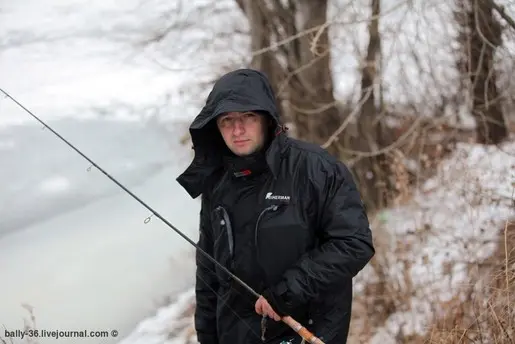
column 281, row 214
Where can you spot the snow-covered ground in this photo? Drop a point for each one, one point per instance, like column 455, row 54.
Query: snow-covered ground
column 172, row 324
column 455, row 220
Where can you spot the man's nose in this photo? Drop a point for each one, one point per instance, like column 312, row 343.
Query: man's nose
column 238, row 128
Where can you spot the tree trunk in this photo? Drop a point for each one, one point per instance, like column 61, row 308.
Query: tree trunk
column 372, row 172
column 313, row 105
column 481, row 37
column 301, row 76
column 261, row 32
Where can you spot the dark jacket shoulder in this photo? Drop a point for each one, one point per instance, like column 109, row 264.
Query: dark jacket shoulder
column 318, row 163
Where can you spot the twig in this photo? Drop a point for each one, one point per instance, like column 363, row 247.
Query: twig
column 298, row 70
column 499, row 322
column 392, row 146
column 502, row 13
column 320, row 28
column 506, row 262
column 342, row 127
column 2, row 339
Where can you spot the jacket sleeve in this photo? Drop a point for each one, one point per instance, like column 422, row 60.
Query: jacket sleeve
column 206, row 283
column 345, row 247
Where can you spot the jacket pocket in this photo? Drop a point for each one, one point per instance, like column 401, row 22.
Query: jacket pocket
column 282, row 237
column 223, row 247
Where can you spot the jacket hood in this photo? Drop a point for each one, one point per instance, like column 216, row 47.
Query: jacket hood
column 240, row 90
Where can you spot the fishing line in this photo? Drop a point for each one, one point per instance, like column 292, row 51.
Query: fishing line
column 301, row 330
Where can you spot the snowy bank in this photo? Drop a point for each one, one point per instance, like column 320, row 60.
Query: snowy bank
column 171, row 324
column 428, row 245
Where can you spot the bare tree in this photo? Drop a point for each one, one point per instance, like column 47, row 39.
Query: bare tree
column 291, row 45
column 311, row 82
column 372, row 172
column 481, row 37
column 260, row 40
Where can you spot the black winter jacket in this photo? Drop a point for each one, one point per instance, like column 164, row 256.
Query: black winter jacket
column 295, row 229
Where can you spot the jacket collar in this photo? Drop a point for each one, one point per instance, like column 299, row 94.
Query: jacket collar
column 205, row 168
column 276, row 152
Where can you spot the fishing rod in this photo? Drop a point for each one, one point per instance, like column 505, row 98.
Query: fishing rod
column 292, row 323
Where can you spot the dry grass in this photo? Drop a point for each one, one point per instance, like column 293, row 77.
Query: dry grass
column 28, row 324
column 392, row 306
column 487, row 314
column 381, row 296
column 412, row 163
column 481, row 313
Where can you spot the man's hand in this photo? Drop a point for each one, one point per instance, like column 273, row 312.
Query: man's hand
column 263, row 308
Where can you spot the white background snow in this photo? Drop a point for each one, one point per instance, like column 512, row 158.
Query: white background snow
column 72, row 244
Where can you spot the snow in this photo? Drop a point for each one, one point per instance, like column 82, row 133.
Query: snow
column 418, row 47
column 454, row 220
column 168, row 320
column 54, row 184
column 418, row 59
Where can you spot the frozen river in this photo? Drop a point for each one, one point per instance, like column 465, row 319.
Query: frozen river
column 73, row 245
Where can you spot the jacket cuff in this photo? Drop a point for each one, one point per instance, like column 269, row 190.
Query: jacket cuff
column 207, row 338
column 278, row 297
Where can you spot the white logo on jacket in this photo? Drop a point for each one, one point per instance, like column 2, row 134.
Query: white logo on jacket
column 270, row 195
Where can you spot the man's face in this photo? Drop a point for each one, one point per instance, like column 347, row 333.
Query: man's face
column 243, row 133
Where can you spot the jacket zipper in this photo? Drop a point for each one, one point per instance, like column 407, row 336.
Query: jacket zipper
column 226, row 222
column 256, row 229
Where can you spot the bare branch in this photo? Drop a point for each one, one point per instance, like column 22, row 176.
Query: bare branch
column 502, row 13
column 347, row 120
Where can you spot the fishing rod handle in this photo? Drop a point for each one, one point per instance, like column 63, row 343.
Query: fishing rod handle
column 301, row 330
